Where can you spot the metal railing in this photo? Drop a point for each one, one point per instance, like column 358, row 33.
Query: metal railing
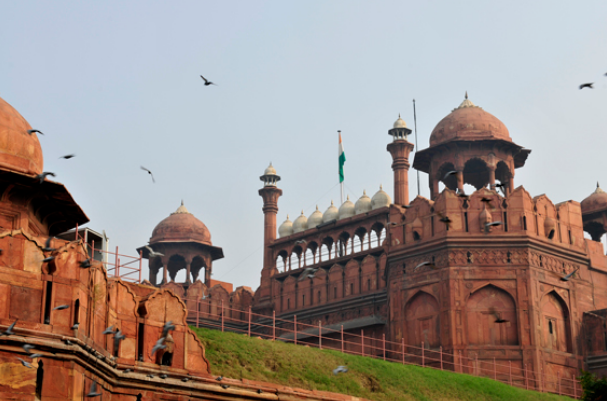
column 216, row 314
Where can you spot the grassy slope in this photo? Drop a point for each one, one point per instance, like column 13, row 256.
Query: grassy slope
column 237, row 356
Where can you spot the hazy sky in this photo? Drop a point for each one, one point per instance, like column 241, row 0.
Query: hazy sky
column 118, row 84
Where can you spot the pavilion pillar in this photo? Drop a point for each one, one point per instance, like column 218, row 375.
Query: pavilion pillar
column 188, row 270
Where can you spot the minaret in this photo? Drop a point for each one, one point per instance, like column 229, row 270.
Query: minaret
column 400, row 149
column 270, row 194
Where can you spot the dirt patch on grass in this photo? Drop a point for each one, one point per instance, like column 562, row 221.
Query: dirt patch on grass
column 371, row 383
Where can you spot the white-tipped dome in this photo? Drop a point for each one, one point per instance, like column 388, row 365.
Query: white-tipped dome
column 380, row 199
column 363, row 204
column 400, row 123
column 315, row 218
column 270, row 170
column 300, row 224
column 285, row 228
column 332, row 213
column 346, row 209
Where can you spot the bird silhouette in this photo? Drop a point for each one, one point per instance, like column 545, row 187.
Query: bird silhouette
column 495, row 313
column 67, row 157
column 75, row 326
column 185, row 379
column 159, row 345
column 168, row 326
column 568, row 276
column 28, row 347
column 25, row 363
column 432, row 265
column 109, row 330
column 587, row 85
column 42, row 177
column 31, row 131
column 225, row 386
column 492, row 224
column 128, row 370
column 49, row 259
column 118, row 336
column 34, row 356
column 486, row 200
column 47, row 245
column 340, row 369
column 450, row 173
column 151, row 376
column 207, row 82
column 219, row 378
column 152, row 253
column 163, row 376
column 61, row 307
column 93, row 391
column 150, row 173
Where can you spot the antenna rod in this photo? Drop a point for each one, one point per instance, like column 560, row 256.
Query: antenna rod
column 416, row 148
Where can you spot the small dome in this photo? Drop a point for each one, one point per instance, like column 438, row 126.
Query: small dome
column 363, row 204
column 332, row 213
column 270, row 170
column 400, row 123
column 300, row 224
column 346, row 209
column 596, row 202
column 181, row 226
column 285, row 228
column 315, row 218
column 469, row 122
column 19, row 151
column 380, row 199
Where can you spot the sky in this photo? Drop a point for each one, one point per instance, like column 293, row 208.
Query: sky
column 118, row 84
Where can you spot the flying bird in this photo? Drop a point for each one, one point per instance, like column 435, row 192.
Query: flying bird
column 495, row 313
column 34, row 356
column 445, row 219
column 567, row 277
column 493, row 223
column 9, row 331
column 47, row 245
column 49, row 259
column 500, row 185
column 28, row 347
column 340, row 369
column 75, row 326
column 93, row 391
column 152, row 253
column 168, row 326
column 150, row 173
column 486, row 200
column 85, row 264
column 432, row 265
column 43, row 176
column 450, row 173
column 67, row 157
column 587, row 85
column 207, row 82
column 61, row 307
column 31, row 131
column 117, row 338
column 25, row 363
column 109, row 330
column 159, row 345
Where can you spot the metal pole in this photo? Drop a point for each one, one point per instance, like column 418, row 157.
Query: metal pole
column 362, row 342
column 416, row 148
column 342, row 338
column 140, row 264
column 574, row 389
column 423, row 359
column 476, row 368
column 319, row 335
column 249, row 320
column 198, row 313
column 441, row 357
column 541, row 379
column 76, row 232
column 341, row 183
column 222, row 315
column 92, row 249
column 558, row 377
column 402, row 340
column 461, row 364
column 116, row 266
column 494, row 370
column 510, row 372
column 526, row 381
column 295, row 328
column 384, row 344
column 273, row 325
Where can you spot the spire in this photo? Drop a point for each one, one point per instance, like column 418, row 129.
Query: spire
column 466, row 102
column 465, row 97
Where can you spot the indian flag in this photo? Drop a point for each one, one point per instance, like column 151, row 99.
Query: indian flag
column 342, row 159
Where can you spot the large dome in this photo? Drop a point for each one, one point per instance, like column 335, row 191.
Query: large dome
column 469, row 122
column 181, row 226
column 19, row 151
column 596, row 202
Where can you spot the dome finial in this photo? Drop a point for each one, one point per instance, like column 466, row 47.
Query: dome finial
column 182, row 202
column 597, row 184
column 465, row 97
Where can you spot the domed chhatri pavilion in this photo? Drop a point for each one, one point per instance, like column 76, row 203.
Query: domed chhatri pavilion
column 496, row 250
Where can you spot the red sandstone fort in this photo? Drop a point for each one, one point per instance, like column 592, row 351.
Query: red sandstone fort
column 496, row 274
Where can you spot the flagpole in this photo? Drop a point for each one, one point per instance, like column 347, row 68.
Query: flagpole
column 416, row 148
column 341, row 183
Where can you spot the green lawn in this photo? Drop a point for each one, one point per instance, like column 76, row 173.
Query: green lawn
column 237, row 356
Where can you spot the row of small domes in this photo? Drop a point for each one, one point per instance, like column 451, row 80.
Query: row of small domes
column 348, row 209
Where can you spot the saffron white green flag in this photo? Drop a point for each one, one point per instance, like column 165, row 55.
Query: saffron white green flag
column 342, row 160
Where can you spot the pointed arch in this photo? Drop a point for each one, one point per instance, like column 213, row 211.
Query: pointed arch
column 422, row 315
column 556, row 326
column 481, row 309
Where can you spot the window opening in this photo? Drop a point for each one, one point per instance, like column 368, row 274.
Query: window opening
column 47, row 302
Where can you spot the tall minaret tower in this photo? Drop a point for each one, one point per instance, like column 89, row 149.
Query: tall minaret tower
column 270, row 194
column 400, row 149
